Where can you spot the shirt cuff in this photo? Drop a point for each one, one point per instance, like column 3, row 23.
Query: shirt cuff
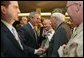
column 35, row 52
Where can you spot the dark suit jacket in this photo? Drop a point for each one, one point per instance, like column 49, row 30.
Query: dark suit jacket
column 28, row 35
column 9, row 45
column 41, row 38
column 61, row 36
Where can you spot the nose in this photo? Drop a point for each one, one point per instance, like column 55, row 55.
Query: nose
column 19, row 10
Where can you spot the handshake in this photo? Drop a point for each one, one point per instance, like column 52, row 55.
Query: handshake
column 40, row 51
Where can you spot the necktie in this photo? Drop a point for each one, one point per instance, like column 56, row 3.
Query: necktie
column 17, row 37
column 35, row 34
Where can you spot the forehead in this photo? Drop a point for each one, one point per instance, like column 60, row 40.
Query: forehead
column 24, row 18
column 72, row 2
column 47, row 21
column 14, row 3
column 37, row 15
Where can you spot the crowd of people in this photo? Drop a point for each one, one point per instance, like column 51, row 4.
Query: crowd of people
column 33, row 37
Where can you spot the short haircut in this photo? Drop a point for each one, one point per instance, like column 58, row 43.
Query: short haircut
column 59, row 16
column 32, row 14
column 5, row 3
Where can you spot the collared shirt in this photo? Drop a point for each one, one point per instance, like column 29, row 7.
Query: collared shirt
column 8, row 25
column 50, row 35
column 11, row 28
column 74, row 47
column 36, row 50
column 31, row 25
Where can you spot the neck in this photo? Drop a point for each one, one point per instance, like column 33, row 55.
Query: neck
column 58, row 23
column 32, row 23
column 9, row 21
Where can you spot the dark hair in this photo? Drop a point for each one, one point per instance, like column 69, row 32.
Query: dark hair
column 5, row 3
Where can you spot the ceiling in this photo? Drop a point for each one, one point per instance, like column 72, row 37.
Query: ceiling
column 46, row 6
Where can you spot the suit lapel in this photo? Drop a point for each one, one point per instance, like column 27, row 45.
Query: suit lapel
column 31, row 31
column 10, row 35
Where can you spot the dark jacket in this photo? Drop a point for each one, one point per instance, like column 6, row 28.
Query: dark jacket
column 60, row 37
column 28, row 37
column 10, row 47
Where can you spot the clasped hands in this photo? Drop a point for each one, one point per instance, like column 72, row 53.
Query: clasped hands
column 40, row 51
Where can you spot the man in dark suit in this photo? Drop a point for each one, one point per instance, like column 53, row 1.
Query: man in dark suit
column 61, row 35
column 11, row 43
column 28, row 32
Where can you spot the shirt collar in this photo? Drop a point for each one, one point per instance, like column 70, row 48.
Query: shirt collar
column 31, row 25
column 9, row 26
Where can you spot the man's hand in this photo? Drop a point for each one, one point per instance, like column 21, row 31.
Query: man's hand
column 61, row 50
column 40, row 51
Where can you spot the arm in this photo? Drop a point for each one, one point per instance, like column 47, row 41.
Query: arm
column 59, row 39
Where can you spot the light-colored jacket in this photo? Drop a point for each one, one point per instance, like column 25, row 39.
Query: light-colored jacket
column 74, row 48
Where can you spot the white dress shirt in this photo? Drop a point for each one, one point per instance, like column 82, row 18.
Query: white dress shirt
column 51, row 35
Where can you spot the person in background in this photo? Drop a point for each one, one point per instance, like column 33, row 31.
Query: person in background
column 22, row 21
column 74, row 48
column 48, row 33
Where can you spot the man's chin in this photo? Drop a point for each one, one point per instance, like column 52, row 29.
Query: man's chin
column 17, row 19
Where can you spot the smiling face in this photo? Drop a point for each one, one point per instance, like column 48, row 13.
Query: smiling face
column 36, row 19
column 47, row 24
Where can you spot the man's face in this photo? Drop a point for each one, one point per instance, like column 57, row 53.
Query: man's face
column 47, row 24
column 24, row 20
column 53, row 21
column 13, row 10
column 72, row 11
column 37, row 19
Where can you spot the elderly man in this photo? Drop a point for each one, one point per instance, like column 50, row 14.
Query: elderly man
column 48, row 30
column 74, row 48
column 48, row 33
column 61, row 35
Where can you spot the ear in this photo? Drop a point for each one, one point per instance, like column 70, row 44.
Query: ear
column 3, row 9
column 78, row 7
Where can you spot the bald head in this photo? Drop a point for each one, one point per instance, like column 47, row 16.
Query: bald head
column 47, row 24
column 47, row 21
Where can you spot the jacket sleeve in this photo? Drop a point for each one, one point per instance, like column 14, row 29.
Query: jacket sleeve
column 59, row 39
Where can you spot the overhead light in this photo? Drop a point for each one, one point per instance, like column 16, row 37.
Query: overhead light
column 46, row 14
column 42, row 14
column 23, row 14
